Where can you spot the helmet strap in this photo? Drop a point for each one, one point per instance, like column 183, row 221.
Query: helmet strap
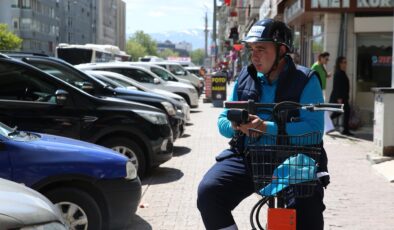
column 278, row 57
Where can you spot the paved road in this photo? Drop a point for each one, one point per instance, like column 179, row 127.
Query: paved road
column 358, row 197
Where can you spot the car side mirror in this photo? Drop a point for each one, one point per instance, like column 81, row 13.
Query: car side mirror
column 85, row 86
column 61, row 96
column 156, row 81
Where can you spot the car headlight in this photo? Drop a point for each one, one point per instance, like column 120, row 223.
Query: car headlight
column 192, row 90
column 153, row 117
column 48, row 226
column 131, row 171
column 169, row 108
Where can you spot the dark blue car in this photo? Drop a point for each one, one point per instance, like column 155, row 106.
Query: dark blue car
column 93, row 186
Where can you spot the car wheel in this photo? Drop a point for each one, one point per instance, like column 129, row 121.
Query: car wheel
column 130, row 149
column 78, row 208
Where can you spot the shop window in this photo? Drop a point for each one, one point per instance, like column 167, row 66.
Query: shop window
column 26, row 4
column 317, row 41
column 15, row 4
column 374, row 61
column 15, row 22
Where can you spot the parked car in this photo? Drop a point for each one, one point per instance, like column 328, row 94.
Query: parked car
column 36, row 101
column 68, row 73
column 117, row 80
column 194, row 70
column 178, row 70
column 146, row 78
column 94, row 187
column 24, row 208
column 160, row 71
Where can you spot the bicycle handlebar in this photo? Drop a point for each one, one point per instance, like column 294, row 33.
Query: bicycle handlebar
column 253, row 107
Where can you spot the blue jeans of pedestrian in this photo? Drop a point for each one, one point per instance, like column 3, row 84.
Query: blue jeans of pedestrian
column 228, row 182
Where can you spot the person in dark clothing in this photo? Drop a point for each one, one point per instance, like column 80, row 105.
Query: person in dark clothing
column 340, row 93
column 271, row 78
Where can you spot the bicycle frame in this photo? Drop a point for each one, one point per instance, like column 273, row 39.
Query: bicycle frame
column 280, row 116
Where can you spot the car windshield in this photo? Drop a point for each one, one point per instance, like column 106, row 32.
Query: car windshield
column 177, row 70
column 128, row 83
column 163, row 74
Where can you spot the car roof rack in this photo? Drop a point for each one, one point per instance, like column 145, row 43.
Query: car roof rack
column 22, row 52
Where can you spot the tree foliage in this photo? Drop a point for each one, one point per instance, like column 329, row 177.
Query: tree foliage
column 8, row 40
column 197, row 56
column 146, row 41
column 135, row 49
column 168, row 53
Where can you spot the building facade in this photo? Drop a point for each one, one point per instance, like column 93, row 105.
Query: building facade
column 121, row 25
column 362, row 31
column 78, row 21
column 43, row 24
column 35, row 21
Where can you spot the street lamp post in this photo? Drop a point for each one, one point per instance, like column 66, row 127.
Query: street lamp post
column 214, row 32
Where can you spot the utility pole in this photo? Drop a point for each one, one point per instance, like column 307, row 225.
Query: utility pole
column 214, row 31
column 206, row 34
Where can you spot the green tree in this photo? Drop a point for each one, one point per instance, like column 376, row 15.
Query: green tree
column 198, row 56
column 168, row 53
column 135, row 49
column 8, row 40
column 146, row 41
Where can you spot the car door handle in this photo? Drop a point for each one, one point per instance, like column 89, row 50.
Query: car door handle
column 89, row 119
column 63, row 121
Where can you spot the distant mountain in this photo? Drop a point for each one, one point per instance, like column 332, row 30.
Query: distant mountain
column 194, row 36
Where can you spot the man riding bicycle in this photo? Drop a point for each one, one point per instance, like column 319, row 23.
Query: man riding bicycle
column 271, row 78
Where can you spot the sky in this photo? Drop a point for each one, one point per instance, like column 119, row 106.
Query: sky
column 157, row 16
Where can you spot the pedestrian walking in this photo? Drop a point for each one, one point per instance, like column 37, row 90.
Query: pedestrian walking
column 319, row 67
column 340, row 93
column 271, row 78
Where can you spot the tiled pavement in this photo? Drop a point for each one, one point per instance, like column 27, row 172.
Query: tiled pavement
column 358, row 197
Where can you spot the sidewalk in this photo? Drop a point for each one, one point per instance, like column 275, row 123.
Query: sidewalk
column 357, row 198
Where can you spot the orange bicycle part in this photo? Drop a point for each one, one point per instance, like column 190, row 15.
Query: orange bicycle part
column 281, row 219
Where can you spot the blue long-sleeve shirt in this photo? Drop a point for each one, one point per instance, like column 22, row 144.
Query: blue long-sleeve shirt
column 309, row 121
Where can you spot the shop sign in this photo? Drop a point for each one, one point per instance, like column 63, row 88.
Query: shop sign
column 218, row 87
column 349, row 5
column 293, row 10
column 381, row 60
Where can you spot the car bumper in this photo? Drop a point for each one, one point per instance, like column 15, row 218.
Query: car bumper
column 186, row 112
column 162, row 148
column 176, row 123
column 122, row 198
column 193, row 100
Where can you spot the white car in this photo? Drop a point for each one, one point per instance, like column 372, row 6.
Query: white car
column 160, row 71
column 180, row 72
column 118, row 80
column 24, row 208
column 146, row 78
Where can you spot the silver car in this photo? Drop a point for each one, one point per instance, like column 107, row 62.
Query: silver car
column 146, row 78
column 23, row 208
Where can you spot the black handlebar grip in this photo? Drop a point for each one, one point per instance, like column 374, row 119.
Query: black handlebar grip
column 239, row 116
column 236, row 104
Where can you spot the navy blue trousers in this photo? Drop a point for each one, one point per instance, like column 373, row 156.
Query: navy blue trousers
column 227, row 183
